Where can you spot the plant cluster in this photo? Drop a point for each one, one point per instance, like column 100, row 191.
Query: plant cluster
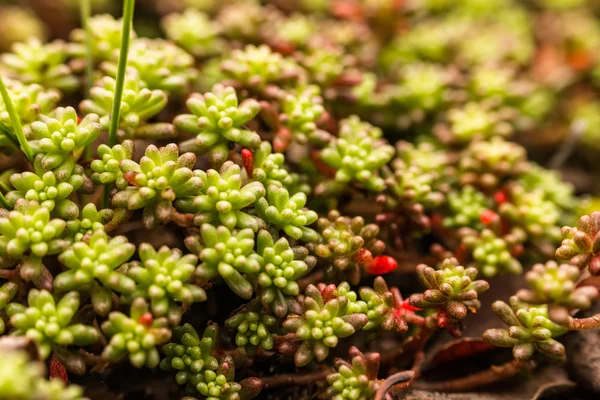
column 248, row 169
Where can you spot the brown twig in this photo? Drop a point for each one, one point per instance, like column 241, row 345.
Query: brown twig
column 583, row 323
column 294, row 379
column 398, row 381
column 494, row 373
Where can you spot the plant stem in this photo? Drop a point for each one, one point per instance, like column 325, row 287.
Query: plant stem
column 294, row 379
column 494, row 373
column 398, row 381
column 3, row 202
column 15, row 122
column 583, row 323
column 128, row 7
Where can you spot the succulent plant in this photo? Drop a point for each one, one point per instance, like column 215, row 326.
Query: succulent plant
column 106, row 37
column 287, row 213
column 557, row 285
column 581, row 245
column 44, row 64
column 223, row 198
column 138, row 103
column 257, row 66
column 321, row 325
column 218, row 119
column 300, row 112
column 30, row 102
column 253, row 330
column 492, row 254
column 107, row 168
column 94, row 266
column 466, row 207
column 356, row 379
column 49, row 323
column 281, row 266
column 530, row 329
column 49, row 190
column 471, row 121
column 135, row 337
column 190, row 355
column 422, row 87
column 184, row 30
column 161, row 177
column 28, row 233
column 24, row 379
column 8, row 291
column 347, row 242
column 164, row 277
column 451, row 289
column 529, row 211
column 381, row 307
column 269, row 168
column 228, row 254
column 90, row 221
column 60, row 135
column 221, row 384
column 358, row 154
column 161, row 65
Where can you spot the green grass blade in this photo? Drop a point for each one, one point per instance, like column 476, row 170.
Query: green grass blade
column 15, row 122
column 128, row 7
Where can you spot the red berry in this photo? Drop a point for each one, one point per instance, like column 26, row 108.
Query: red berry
column 248, row 160
column 488, row 216
column 146, row 319
column 501, row 197
column 381, row 265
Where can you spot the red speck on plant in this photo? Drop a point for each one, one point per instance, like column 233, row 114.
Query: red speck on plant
column 248, row 159
column 146, row 319
column 381, row 265
column 488, row 216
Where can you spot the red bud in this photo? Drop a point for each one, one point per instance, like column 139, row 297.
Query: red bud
column 248, row 159
column 501, row 197
column 488, row 216
column 381, row 265
column 146, row 319
column 58, row 370
column 406, row 305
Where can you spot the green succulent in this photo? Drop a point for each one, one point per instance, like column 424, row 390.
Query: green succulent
column 48, row 323
column 487, row 164
column 49, row 190
column 269, row 168
column 281, row 267
column 254, row 329
column 223, row 198
column 422, row 87
column 256, row 67
column 492, row 82
column 491, row 254
column 300, row 112
column 288, row 213
column 28, row 233
column 228, row 254
column 325, row 65
column 358, row 154
column 138, row 103
column 452, row 289
column 44, row 64
column 135, row 337
column 241, row 21
column 107, row 168
column 161, row 65
column 581, row 245
column 347, row 242
column 530, row 211
column 161, row 177
column 356, row 379
column 193, row 31
column 7, row 292
column 557, row 285
column 30, row 102
column 321, row 325
column 60, row 136
column 24, row 379
column 164, row 277
column 190, row 355
column 410, row 184
column 221, row 384
column 471, row 121
column 90, row 221
column 218, row 119
column 530, row 329
column 381, row 307
column 106, row 37
column 94, row 266
column 466, row 207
